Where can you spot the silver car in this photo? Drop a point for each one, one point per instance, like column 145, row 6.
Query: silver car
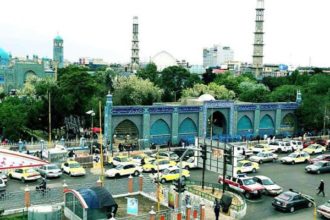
column 3, row 176
column 264, row 157
column 2, row 185
column 49, row 171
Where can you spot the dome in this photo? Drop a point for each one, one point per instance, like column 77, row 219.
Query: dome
column 205, row 97
column 3, row 54
column 58, row 37
column 163, row 59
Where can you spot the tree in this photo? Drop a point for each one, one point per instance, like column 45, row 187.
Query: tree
column 135, row 91
column 173, row 80
column 253, row 92
column 149, row 72
column 208, row 76
column 284, row 93
column 219, row 92
column 192, row 80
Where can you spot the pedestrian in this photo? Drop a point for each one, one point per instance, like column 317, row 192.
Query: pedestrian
column 321, row 188
column 216, row 209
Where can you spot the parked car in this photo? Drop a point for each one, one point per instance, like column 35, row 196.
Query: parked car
column 171, row 174
column 180, row 151
column 3, row 175
column 270, row 187
column 319, row 158
column 321, row 142
column 307, row 143
column 166, row 155
column 280, row 146
column 245, row 166
column 264, row 157
column 296, row 157
column 291, row 201
column 50, row 170
column 296, row 145
column 117, row 160
column 124, row 170
column 324, row 209
column 137, row 158
column 73, row 168
column 246, row 185
column 261, row 148
column 315, row 149
column 318, row 167
column 188, row 164
column 24, row 174
column 160, row 164
column 2, row 185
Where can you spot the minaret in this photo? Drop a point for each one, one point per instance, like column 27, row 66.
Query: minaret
column 258, row 46
column 135, row 45
column 58, row 51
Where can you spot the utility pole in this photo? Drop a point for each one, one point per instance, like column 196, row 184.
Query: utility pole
column 49, row 120
column 224, row 167
column 324, row 119
column 101, row 148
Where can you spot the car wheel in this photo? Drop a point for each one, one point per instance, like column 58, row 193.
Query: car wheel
column 274, row 160
column 306, row 161
column 292, row 209
column 248, row 195
column 187, row 167
column 313, row 152
column 293, row 162
column 163, row 180
column 153, row 170
column 136, row 173
column 260, row 161
column 254, row 170
column 318, row 172
column 10, row 176
column 309, row 204
column 23, row 180
column 117, row 175
column 239, row 172
column 69, row 174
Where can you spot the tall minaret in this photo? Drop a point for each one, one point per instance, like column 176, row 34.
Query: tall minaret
column 258, row 46
column 135, row 45
column 58, row 51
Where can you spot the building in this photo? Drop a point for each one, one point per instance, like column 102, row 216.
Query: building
column 173, row 123
column 163, row 60
column 258, row 45
column 217, row 55
column 58, row 51
column 135, row 60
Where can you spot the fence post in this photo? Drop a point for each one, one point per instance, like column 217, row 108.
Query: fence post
column 195, row 214
column 99, row 183
column 188, row 212
column 202, row 211
column 130, row 184
column 27, row 198
column 152, row 214
column 162, row 217
column 141, row 183
column 179, row 216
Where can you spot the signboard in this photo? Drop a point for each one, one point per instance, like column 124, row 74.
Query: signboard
column 132, row 206
column 217, row 153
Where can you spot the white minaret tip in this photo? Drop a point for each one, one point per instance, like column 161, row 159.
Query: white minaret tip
column 135, row 20
column 260, row 4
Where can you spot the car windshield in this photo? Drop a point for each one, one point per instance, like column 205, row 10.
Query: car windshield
column 167, row 171
column 119, row 167
column 260, row 154
column 267, row 182
column 293, row 155
column 74, row 165
column 248, row 181
column 285, row 197
column 318, row 164
column 52, row 167
column 190, row 160
column 30, row 171
column 312, row 146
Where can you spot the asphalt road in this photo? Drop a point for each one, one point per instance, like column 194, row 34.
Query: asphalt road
column 287, row 176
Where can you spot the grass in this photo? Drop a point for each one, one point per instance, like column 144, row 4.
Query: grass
column 19, row 216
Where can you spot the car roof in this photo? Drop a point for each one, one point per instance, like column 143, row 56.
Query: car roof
column 291, row 193
column 173, row 168
column 72, row 161
column 262, row 177
column 127, row 163
column 245, row 161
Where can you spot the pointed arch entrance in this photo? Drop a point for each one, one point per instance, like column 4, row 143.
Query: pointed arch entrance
column 244, row 126
column 216, row 125
column 188, row 131
column 126, row 132
column 160, row 132
column 288, row 125
column 266, row 126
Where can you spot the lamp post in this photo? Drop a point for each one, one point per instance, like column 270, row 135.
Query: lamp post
column 92, row 114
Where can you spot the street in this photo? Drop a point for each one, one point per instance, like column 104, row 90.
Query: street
column 287, row 176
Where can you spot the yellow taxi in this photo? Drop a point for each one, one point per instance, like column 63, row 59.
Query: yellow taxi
column 24, row 174
column 314, row 149
column 245, row 166
column 137, row 158
column 73, row 168
column 160, row 164
column 171, row 174
column 296, row 157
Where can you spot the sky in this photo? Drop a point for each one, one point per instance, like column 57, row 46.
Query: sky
column 296, row 31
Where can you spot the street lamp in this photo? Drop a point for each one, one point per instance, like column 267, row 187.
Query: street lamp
column 92, row 114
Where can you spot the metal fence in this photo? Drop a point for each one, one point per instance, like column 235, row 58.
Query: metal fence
column 11, row 200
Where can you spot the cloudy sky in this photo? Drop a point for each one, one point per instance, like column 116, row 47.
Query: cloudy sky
column 297, row 31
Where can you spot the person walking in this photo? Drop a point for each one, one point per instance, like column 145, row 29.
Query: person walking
column 216, row 209
column 321, row 188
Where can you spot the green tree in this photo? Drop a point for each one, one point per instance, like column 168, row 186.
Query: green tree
column 135, row 91
column 284, row 93
column 253, row 92
column 173, row 80
column 219, row 92
column 149, row 72
column 208, row 76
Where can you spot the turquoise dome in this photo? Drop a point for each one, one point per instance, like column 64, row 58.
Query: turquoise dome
column 3, row 54
column 58, row 37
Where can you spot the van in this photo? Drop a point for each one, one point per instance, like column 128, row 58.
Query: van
column 296, row 145
column 280, row 146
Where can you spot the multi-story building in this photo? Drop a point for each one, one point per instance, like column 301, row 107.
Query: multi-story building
column 217, row 55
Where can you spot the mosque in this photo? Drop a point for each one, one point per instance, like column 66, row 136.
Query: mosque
column 14, row 71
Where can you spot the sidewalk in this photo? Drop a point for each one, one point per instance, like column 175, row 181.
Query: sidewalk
column 209, row 214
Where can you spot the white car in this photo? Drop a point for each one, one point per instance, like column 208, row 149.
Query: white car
column 296, row 157
column 188, row 164
column 264, row 157
column 3, row 175
column 296, row 145
column 270, row 186
column 324, row 209
column 167, row 155
column 50, row 170
column 280, row 146
column 124, row 170
column 2, row 185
